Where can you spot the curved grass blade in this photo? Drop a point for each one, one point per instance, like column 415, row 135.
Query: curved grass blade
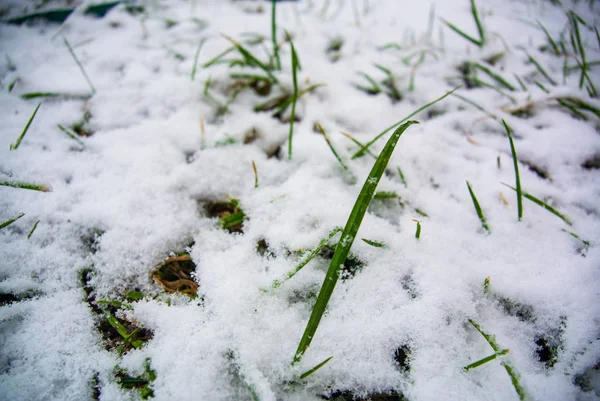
column 362, row 151
column 313, row 370
column 294, row 99
column 10, row 221
column 517, row 177
column 348, row 235
column 32, row 229
column 478, row 208
column 20, row 138
column 335, row 153
column 543, row 204
column 478, row 42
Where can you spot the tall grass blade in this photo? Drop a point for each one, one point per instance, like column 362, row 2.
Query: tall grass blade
column 295, row 98
column 25, row 185
column 15, row 145
column 348, row 235
column 274, row 34
column 543, row 204
column 193, row 75
column 335, row 153
column 313, row 370
column 10, row 221
column 306, row 259
column 362, row 151
column 80, row 66
column 478, row 209
column 517, row 177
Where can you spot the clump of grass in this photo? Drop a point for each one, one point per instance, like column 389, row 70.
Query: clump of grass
column 295, row 66
column 517, row 177
column 142, row 383
column 480, row 42
column 511, row 370
column 478, row 209
column 11, row 220
column 250, row 59
column 14, row 146
column 230, row 214
column 348, row 235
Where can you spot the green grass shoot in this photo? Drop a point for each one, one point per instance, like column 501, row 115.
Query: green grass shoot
column 486, row 285
column 12, row 84
column 307, row 258
column 478, row 209
column 80, row 66
column 255, row 174
column 551, row 41
column 541, row 69
column 480, row 42
column 362, row 151
column 485, row 360
column 348, row 235
column 543, row 204
column 250, row 59
column 578, row 105
column 517, row 177
column 15, row 145
column 70, row 134
column 218, row 58
column 359, row 144
column 494, row 75
column 512, row 372
column 11, row 220
column 313, row 370
column 193, row 75
column 294, row 99
column 25, row 185
column 274, row 34
column 32, row 229
column 374, row 89
column 335, row 153
column 474, row 104
column 418, row 232
column 401, row 175
column 375, row 244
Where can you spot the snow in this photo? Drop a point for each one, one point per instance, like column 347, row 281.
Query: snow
column 133, row 193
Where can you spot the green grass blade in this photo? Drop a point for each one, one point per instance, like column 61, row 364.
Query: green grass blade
column 12, row 84
column 517, row 177
column 10, row 221
column 541, row 69
column 471, row 39
column 335, row 153
column 255, row 174
column 20, row 138
column 361, row 152
column 496, row 77
column 295, row 98
column 418, row 232
column 359, row 144
column 313, row 370
column 489, row 338
column 306, row 259
column 520, row 81
column 80, row 66
column 274, row 34
column 478, row 23
column 70, row 134
column 218, row 57
column 543, row 204
column 375, row 244
column 193, row 75
column 515, row 380
column 485, row 360
column 348, row 235
column 472, row 103
column 25, row 185
column 555, row 49
column 401, row 175
column 33, row 95
column 250, row 59
column 478, row 209
column 32, row 229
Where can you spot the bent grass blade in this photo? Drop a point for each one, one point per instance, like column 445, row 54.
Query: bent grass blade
column 517, row 177
column 478, row 209
column 347, row 239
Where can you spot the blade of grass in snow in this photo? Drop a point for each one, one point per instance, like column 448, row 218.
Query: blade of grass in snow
column 372, row 141
column 485, row 360
column 335, row 153
column 517, row 177
column 495, row 76
column 572, row 234
column 472, row 103
column 250, row 59
column 12, row 84
column 521, row 84
column 20, row 138
column 218, row 57
column 25, row 185
column 479, row 42
column 193, row 75
column 543, row 204
column 70, row 134
column 375, row 244
column 374, row 89
column 359, row 144
column 478, row 208
column 294, row 100
column 274, row 34
column 343, row 247
column 418, row 232
column 486, row 285
column 79, row 65
column 541, row 69
column 313, row 370
column 255, row 174
column 550, row 40
column 32, row 229
column 541, row 86
column 306, row 259
column 402, row 177
column 512, row 372
column 10, row 221
column 385, row 195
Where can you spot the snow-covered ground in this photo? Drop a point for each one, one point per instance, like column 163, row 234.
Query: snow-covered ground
column 136, row 190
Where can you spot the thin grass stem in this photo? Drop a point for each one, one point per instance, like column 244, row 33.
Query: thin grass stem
column 20, row 138
column 335, row 153
column 418, row 231
column 70, row 134
column 10, row 221
column 25, row 185
column 478, row 209
column 32, row 229
column 255, row 174
column 517, row 177
column 80, row 66
column 543, row 204
column 313, row 370
column 193, row 74
column 274, row 34
column 294, row 99
column 485, row 360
